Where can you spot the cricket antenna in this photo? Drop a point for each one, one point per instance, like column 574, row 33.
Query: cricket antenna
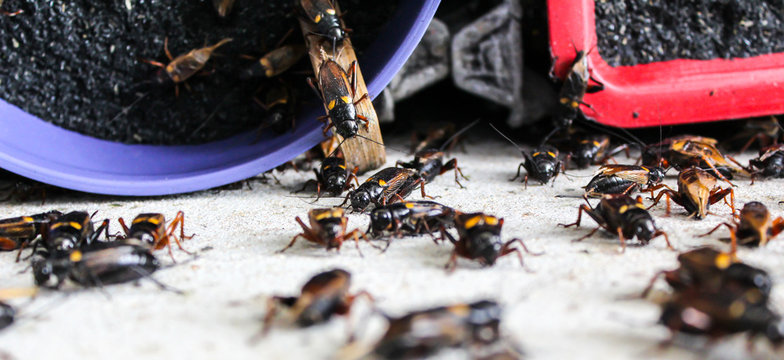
column 336, row 148
column 211, row 115
column 334, row 45
column 128, row 108
column 507, row 138
column 574, row 46
column 137, row 85
column 457, row 134
column 624, row 135
column 776, row 120
column 557, row 128
column 382, row 144
column 368, row 139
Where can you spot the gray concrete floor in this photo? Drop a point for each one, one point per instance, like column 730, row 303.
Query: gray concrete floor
column 573, row 303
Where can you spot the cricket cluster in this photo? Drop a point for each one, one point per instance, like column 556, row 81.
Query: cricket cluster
column 713, row 292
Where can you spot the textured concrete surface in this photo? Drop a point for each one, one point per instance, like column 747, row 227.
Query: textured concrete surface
column 572, row 302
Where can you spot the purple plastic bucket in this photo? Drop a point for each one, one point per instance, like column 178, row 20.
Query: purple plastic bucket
column 36, row 149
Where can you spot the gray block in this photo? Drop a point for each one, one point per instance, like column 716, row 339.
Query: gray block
column 487, row 59
column 428, row 64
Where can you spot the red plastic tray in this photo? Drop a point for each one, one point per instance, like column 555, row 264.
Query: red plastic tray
column 668, row 92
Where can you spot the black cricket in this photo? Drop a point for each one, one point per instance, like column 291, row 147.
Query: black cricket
column 324, row 15
column 479, row 238
column 410, row 218
column 333, row 177
column 542, row 165
column 337, row 94
column 97, row 265
column 622, row 215
column 386, row 186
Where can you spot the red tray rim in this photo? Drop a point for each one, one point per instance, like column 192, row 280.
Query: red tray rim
column 668, row 92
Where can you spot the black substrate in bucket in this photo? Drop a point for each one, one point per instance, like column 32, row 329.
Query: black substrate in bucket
column 79, row 63
column 634, row 32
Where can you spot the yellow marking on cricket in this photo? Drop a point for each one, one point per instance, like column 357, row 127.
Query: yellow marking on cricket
column 645, row 168
column 331, row 104
column 753, row 296
column 623, row 209
column 151, row 220
column 76, row 256
column 460, row 310
column 265, row 63
column 327, row 167
column 737, row 308
column 723, row 261
column 575, row 104
column 473, row 221
column 345, row 99
column 317, row 19
column 75, row 225
column 641, row 206
column 330, row 11
column 491, row 220
column 551, row 153
column 596, row 143
column 27, row 219
column 409, row 205
column 535, row 154
column 342, row 166
column 382, row 182
column 323, row 215
column 564, row 101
